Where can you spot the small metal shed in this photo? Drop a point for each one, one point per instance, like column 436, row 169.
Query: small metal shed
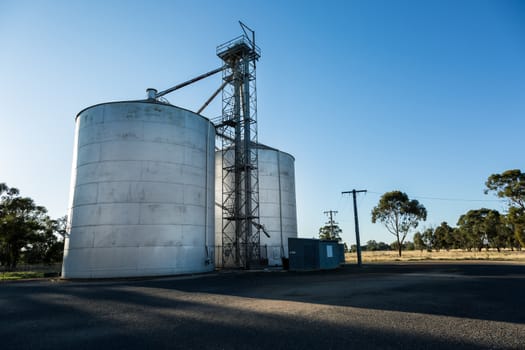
column 314, row 254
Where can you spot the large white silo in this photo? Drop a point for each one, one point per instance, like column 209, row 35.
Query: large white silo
column 277, row 202
column 142, row 192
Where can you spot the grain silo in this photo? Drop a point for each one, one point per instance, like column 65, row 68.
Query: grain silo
column 142, row 192
column 277, row 203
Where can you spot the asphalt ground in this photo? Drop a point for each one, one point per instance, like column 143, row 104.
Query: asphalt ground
column 397, row 306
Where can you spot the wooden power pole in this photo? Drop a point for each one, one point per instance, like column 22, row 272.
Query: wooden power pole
column 357, row 240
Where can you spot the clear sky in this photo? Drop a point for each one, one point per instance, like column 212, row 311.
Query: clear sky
column 426, row 97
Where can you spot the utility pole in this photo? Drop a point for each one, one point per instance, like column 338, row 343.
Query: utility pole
column 330, row 213
column 357, row 240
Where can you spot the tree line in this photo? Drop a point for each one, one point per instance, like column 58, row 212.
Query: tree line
column 27, row 234
column 476, row 229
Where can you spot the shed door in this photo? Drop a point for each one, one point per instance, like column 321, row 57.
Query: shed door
column 309, row 256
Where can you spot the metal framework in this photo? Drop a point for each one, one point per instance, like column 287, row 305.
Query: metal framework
column 238, row 128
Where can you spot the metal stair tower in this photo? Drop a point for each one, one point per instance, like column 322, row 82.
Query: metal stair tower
column 238, row 130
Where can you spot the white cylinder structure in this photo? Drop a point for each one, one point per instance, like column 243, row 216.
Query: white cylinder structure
column 277, row 203
column 142, row 192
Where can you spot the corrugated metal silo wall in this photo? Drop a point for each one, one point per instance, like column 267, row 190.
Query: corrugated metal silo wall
column 142, row 192
column 277, row 202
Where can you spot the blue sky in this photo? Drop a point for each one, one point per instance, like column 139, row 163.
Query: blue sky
column 426, row 97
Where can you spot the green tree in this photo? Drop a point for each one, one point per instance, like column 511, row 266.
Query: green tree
column 406, row 246
column 428, row 238
column 47, row 246
column 60, row 226
column 470, row 226
column 443, row 237
column 459, row 240
column 482, row 228
column 394, row 245
column 505, row 237
column 21, row 220
column 409, row 245
column 511, row 185
column 372, row 246
column 419, row 244
column 399, row 214
column 512, row 239
column 330, row 231
column 383, row 246
column 499, row 235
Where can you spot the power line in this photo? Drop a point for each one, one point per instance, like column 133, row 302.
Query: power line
column 449, row 199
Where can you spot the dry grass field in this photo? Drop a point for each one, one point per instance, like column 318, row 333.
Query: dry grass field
column 452, row 255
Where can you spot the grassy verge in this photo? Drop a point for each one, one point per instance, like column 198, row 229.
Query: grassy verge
column 20, row 275
column 455, row 255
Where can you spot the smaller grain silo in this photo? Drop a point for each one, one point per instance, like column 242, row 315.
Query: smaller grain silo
column 277, row 203
column 142, row 192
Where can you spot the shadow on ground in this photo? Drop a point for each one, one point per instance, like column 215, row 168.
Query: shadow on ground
column 377, row 307
column 475, row 290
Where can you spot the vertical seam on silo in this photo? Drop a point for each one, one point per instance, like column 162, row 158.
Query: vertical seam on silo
column 141, row 177
column 206, row 193
column 280, row 202
column 100, row 152
column 94, row 232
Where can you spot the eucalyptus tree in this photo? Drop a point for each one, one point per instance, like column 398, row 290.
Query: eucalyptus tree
column 443, row 237
column 21, row 221
column 47, row 245
column 428, row 238
column 419, row 243
column 399, row 214
column 330, row 231
column 483, row 228
column 511, row 185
